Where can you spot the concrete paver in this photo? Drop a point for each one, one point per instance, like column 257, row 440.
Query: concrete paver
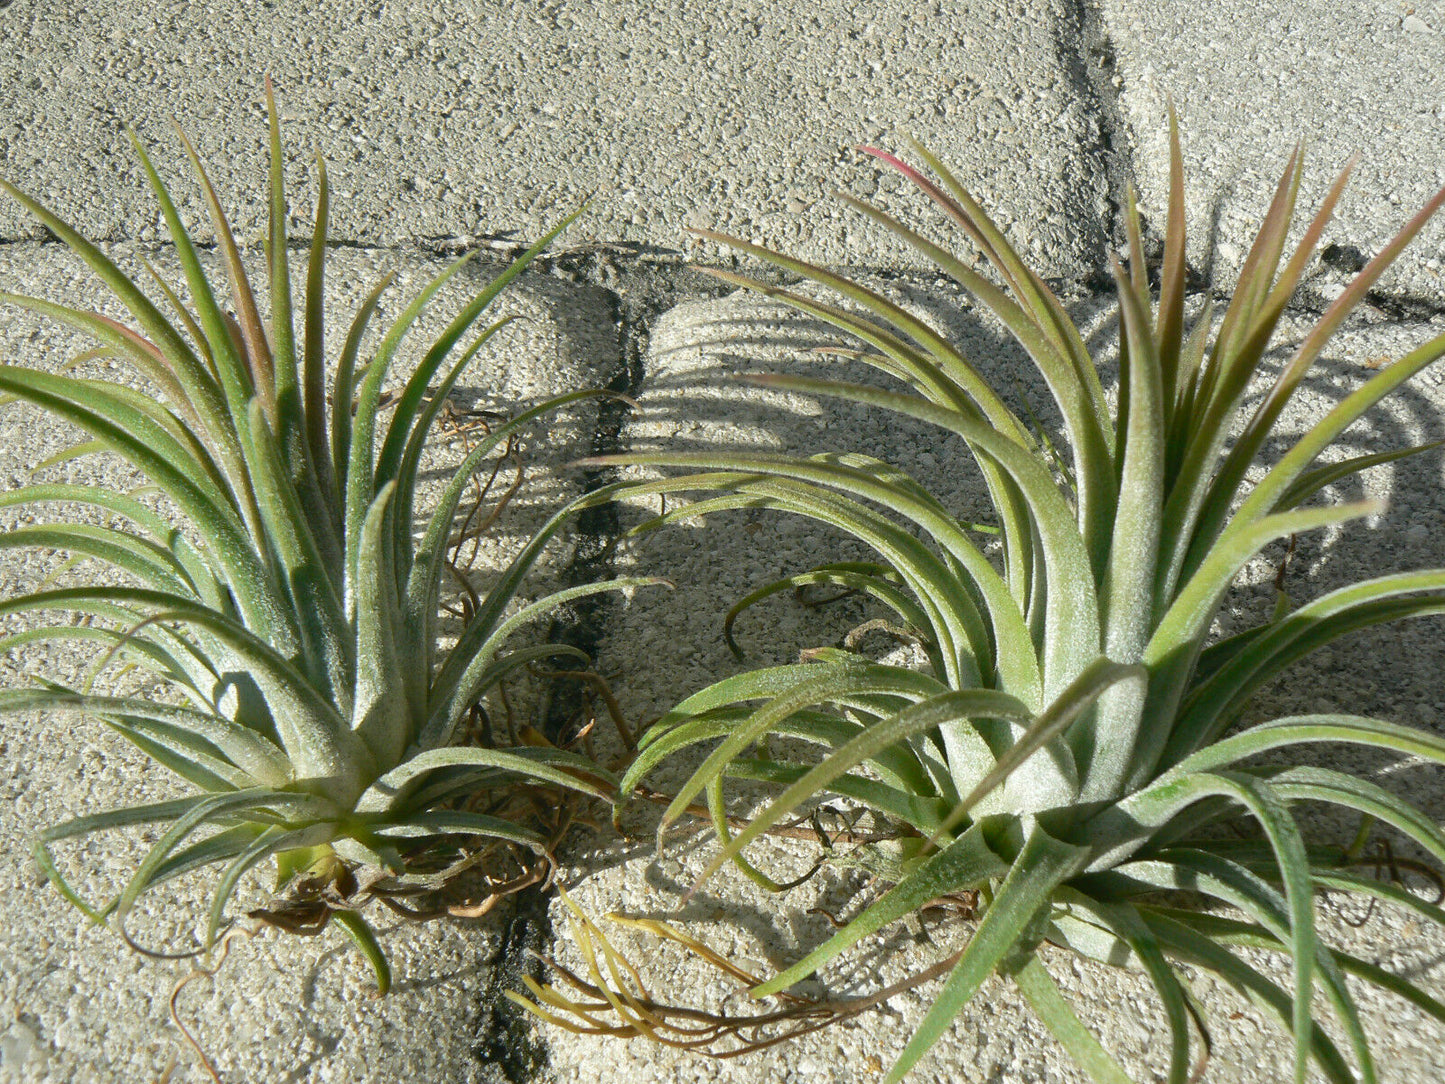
column 1251, row 80
column 75, row 1003
column 460, row 119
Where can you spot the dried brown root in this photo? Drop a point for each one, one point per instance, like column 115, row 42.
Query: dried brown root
column 613, row 999
column 854, row 639
column 600, row 688
column 804, row 827
column 223, row 949
column 458, row 878
column 1389, row 866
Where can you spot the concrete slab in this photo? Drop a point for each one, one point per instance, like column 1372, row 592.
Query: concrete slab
column 665, row 647
column 451, row 120
column 452, row 124
column 1250, row 81
column 75, row 1003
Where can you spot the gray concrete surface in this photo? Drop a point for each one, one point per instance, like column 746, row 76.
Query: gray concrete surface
column 454, row 124
column 1250, row 80
column 464, row 119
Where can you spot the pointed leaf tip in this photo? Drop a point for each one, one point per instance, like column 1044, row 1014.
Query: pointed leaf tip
column 885, row 156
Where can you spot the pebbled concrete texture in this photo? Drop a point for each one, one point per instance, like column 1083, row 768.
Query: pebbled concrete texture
column 77, row 1004
column 688, row 400
column 459, row 124
column 1250, row 81
column 461, row 119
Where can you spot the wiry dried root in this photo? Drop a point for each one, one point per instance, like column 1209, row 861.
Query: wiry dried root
column 223, row 949
column 613, row 999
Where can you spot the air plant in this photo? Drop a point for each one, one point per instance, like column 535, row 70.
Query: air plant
column 292, row 604
column 1070, row 751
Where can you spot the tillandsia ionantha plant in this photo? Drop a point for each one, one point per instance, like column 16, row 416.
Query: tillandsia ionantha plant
column 1067, row 757
column 293, row 606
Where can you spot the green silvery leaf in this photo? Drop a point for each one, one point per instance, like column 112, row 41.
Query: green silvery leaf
column 1116, row 549
column 1050, row 1005
column 290, row 604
